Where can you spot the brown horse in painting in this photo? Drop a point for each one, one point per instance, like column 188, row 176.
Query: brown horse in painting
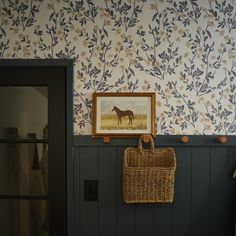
column 121, row 113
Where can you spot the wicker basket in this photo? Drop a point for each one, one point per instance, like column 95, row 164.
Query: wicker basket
column 148, row 174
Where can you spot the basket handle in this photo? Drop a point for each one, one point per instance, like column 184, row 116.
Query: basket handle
column 140, row 143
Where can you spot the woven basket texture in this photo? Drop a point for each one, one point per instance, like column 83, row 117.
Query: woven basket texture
column 148, row 174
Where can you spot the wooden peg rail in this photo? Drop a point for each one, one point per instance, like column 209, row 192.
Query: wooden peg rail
column 146, row 139
column 222, row 139
column 106, row 139
column 184, row 139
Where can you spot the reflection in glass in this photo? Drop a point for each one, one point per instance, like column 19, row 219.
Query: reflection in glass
column 24, row 217
column 24, row 108
column 23, row 169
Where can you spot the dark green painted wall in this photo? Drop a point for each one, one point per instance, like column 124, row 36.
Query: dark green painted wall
column 205, row 192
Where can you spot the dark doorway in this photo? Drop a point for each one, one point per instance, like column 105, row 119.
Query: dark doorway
column 35, row 146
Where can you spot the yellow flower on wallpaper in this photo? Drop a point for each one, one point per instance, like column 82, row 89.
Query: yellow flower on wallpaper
column 21, row 35
column 125, row 88
column 158, row 103
column 211, row 23
column 226, row 37
column 231, row 54
column 163, row 35
column 107, row 22
column 225, row 62
column 201, row 100
column 188, row 44
column 83, row 53
column 178, row 39
column 75, row 38
column 35, row 44
column 213, row 96
column 122, row 67
column 153, row 6
column 50, row 6
column 26, row 52
column 118, row 31
column 128, row 52
column 186, row 54
column 208, row 127
column 200, row 50
column 85, row 43
column 5, row 22
column 227, row 90
column 208, row 103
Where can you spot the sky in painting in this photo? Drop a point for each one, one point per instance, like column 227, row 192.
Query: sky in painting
column 136, row 104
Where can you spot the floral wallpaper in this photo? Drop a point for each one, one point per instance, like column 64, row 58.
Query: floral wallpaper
column 184, row 51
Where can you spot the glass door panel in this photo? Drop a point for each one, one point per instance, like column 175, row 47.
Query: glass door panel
column 23, row 169
column 24, row 217
column 25, row 108
column 23, row 160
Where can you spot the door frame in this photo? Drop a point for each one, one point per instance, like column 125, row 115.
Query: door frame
column 65, row 223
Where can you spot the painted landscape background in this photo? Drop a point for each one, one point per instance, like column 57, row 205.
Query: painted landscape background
column 110, row 122
column 137, row 105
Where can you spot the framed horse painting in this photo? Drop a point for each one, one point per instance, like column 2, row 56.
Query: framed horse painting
column 123, row 114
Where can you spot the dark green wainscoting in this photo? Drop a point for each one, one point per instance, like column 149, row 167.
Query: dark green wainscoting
column 205, row 192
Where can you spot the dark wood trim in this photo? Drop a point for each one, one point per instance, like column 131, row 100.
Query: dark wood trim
column 69, row 152
column 60, row 193
column 13, row 140
column 67, row 63
column 25, row 197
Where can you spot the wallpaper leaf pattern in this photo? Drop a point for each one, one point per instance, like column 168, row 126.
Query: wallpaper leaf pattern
column 184, row 51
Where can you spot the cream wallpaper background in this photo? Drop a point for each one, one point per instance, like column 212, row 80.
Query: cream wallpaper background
column 184, row 51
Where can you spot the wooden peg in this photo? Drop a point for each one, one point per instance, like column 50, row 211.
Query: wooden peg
column 106, row 139
column 222, row 139
column 146, row 139
column 184, row 139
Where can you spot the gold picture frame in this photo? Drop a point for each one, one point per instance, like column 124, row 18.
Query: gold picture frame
column 123, row 115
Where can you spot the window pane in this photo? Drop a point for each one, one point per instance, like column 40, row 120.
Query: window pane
column 24, row 109
column 24, row 217
column 23, row 169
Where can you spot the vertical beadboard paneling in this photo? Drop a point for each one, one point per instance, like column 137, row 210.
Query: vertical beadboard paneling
column 89, row 210
column 200, row 191
column 144, row 219
column 218, row 190
column 125, row 212
column 204, row 201
column 231, row 198
column 182, row 196
column 163, row 219
column 107, row 191
column 76, row 187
